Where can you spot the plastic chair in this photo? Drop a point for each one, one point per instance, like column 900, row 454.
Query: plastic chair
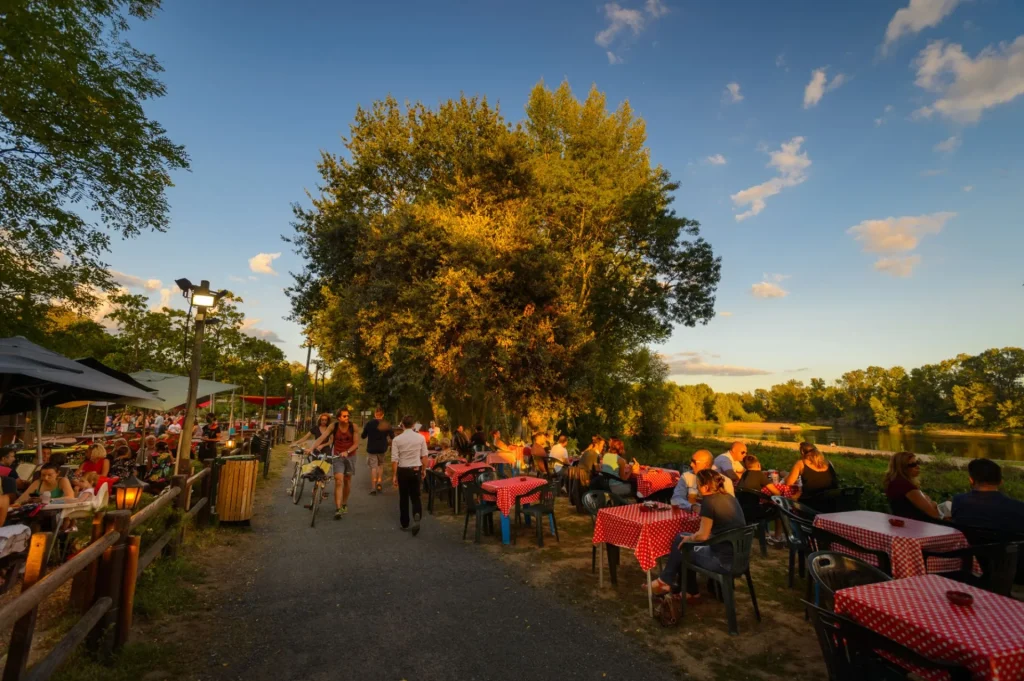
column 831, row 571
column 593, row 502
column 742, row 539
column 754, row 511
column 473, row 498
column 543, row 508
column 998, row 565
column 438, row 486
column 823, row 540
column 854, row 653
column 798, row 531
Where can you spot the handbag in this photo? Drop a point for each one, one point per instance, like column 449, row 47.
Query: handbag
column 669, row 610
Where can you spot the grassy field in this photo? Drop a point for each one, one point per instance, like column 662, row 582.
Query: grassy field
column 940, row 477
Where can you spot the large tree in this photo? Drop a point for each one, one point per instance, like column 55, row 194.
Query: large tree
column 79, row 159
column 489, row 267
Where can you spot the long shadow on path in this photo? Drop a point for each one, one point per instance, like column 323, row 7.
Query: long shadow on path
column 358, row 599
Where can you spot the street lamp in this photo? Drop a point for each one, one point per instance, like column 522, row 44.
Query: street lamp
column 201, row 298
column 263, row 415
column 127, row 493
column 288, row 404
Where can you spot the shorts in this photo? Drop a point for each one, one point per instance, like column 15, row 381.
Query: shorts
column 345, row 465
column 375, row 461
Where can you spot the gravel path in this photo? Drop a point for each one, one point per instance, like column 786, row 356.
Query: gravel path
column 358, row 599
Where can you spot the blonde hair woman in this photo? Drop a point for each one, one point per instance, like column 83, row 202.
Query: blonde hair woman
column 814, row 472
column 95, row 462
column 903, row 488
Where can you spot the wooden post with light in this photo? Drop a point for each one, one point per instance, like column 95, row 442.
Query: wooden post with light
column 128, row 492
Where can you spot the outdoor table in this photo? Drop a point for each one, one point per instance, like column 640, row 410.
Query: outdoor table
column 903, row 544
column 651, row 480
column 505, row 493
column 457, row 470
column 648, row 534
column 986, row 637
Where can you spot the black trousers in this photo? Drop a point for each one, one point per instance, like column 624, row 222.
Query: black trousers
column 408, row 490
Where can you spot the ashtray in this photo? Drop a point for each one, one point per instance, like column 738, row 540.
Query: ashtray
column 897, row 522
column 650, row 505
column 961, row 598
column 522, row 479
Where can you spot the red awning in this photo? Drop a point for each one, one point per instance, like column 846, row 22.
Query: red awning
column 271, row 401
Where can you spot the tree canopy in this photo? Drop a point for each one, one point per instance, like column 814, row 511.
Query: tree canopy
column 79, row 159
column 480, row 267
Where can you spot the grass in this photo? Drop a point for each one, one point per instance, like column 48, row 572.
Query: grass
column 135, row 661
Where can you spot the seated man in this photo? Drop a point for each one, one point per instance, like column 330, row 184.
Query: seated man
column 730, row 464
column 687, row 493
column 985, row 506
column 754, row 478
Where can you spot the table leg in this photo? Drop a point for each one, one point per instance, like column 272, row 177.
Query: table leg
column 457, row 495
column 506, row 535
column 650, row 594
column 600, row 562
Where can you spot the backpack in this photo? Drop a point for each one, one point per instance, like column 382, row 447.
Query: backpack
column 669, row 610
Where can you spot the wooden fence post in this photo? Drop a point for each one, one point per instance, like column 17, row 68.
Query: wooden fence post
column 108, row 583
column 21, row 636
column 131, row 569
column 83, row 585
column 205, row 487
column 181, row 503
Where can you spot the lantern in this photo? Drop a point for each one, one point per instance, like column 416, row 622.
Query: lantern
column 128, row 492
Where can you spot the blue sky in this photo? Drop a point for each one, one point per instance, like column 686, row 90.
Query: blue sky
column 862, row 178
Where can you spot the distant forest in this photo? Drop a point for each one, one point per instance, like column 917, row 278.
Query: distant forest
column 981, row 392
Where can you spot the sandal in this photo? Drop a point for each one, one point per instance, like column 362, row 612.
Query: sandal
column 658, row 588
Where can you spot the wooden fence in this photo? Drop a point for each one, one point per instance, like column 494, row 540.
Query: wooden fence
column 104, row 575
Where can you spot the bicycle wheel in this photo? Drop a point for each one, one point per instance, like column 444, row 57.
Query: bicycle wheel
column 297, row 489
column 316, row 502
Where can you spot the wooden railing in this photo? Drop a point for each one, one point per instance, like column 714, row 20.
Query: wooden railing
column 104, row 575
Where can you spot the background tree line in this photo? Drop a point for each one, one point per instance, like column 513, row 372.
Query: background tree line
column 984, row 391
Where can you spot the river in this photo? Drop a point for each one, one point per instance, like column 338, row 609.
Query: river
column 972, row 447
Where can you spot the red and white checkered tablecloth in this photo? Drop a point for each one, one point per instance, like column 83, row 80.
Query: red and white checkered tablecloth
column 506, row 491
column 648, row 534
column 987, row 637
column 651, row 480
column 456, row 470
column 903, row 544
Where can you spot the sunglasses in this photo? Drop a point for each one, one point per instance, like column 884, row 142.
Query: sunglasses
column 693, row 461
column 914, row 464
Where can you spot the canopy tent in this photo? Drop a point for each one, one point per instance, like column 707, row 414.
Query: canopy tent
column 32, row 377
column 171, row 390
column 271, row 401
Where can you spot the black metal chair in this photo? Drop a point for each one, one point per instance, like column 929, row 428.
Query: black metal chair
column 798, row 528
column 835, row 500
column 594, row 501
column 543, row 508
column 831, row 571
column 742, row 540
column 756, row 512
column 853, row 652
column 482, row 510
column 998, row 564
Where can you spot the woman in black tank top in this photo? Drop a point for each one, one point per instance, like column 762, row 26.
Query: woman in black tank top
column 816, row 474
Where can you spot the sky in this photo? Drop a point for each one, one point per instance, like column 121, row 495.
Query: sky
column 858, row 165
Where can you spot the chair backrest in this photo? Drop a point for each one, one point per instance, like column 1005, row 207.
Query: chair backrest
column 742, row 539
column 485, row 476
column 25, row 470
column 594, row 501
column 998, row 562
column 836, row 500
column 750, row 501
column 798, row 529
column 831, row 571
column 823, row 540
column 547, row 495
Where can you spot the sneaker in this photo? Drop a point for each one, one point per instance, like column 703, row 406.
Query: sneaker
column 344, row 509
column 415, row 524
column 338, row 514
column 373, row 492
column 404, row 529
column 380, row 489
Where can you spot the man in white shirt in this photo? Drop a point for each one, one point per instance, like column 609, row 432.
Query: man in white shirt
column 559, row 450
column 409, row 460
column 730, row 464
column 687, row 493
column 157, row 423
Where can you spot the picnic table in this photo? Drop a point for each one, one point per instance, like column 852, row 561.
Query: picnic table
column 903, row 544
column 505, row 493
column 650, row 480
column 986, row 637
column 647, row 533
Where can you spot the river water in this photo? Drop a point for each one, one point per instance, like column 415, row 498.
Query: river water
column 895, row 440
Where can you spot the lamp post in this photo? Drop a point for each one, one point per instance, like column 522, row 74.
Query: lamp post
column 288, row 403
column 202, row 298
column 263, row 414
column 127, row 493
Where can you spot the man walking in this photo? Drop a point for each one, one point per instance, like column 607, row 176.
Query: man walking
column 409, row 459
column 378, row 435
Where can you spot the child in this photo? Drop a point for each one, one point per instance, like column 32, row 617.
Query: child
column 754, row 478
column 86, row 484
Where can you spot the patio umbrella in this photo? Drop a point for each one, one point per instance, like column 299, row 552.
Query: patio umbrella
column 32, row 377
column 170, row 390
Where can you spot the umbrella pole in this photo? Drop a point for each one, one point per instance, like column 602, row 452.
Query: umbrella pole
column 39, row 431
column 106, row 410
column 85, row 421
column 231, row 417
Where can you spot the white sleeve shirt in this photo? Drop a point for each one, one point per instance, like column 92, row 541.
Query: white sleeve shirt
column 408, row 449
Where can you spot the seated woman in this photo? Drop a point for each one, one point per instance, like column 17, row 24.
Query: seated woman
column 816, row 475
column 123, row 465
column 497, row 443
column 447, row 453
column 720, row 512
column 59, row 488
column 903, row 488
column 162, row 466
column 614, row 463
column 95, row 462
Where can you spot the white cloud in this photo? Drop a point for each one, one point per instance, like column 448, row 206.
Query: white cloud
column 619, row 19
column 915, row 17
column 780, row 60
column 791, row 164
column 966, row 87
column 948, row 145
column 165, row 300
column 898, row 235
column 694, row 364
column 769, row 287
column 968, row 188
column 252, row 278
column 261, row 263
column 716, row 160
column 131, row 281
column 732, row 93
column 613, row 58
column 656, row 8
column 879, row 121
column 898, row 266
column 819, row 85
column 236, row 279
column 249, row 329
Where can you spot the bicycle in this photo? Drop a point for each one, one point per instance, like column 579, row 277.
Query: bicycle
column 319, row 474
column 299, row 458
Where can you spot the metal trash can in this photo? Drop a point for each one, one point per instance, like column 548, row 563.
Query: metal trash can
column 235, row 488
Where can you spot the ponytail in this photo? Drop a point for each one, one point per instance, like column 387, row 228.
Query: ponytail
column 711, row 478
